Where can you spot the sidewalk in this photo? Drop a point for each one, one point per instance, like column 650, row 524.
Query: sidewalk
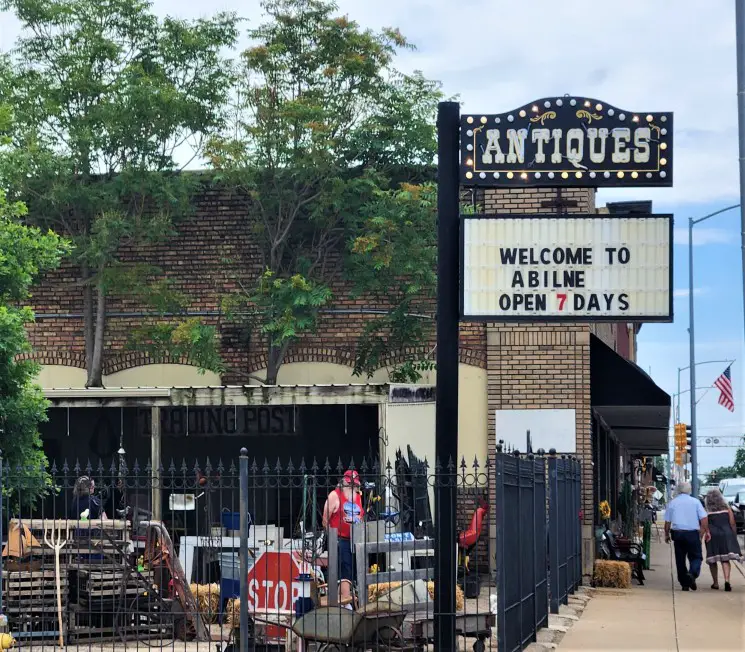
column 659, row 616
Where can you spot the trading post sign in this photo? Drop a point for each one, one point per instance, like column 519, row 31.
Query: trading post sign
column 567, row 141
column 566, row 268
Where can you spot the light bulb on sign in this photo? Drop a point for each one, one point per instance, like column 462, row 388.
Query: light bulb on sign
column 663, row 145
column 523, row 175
column 565, row 175
column 510, row 175
column 469, row 120
column 663, row 161
column 620, row 175
column 469, row 161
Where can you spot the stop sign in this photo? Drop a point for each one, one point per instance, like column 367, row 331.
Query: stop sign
column 272, row 587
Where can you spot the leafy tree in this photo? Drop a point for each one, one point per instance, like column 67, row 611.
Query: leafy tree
column 110, row 102
column 323, row 125
column 25, row 253
column 736, row 470
column 394, row 260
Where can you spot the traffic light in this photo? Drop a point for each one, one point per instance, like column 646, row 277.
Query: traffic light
column 681, row 443
column 687, row 435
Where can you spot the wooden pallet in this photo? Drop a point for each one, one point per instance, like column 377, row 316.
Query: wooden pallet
column 86, row 625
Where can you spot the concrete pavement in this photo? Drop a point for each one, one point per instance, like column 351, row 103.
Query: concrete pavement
column 659, row 616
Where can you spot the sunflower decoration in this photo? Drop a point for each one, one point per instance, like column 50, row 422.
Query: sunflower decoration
column 604, row 510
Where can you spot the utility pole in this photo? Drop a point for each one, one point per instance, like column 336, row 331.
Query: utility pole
column 740, row 31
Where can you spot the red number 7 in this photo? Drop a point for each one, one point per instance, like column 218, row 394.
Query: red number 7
column 562, row 300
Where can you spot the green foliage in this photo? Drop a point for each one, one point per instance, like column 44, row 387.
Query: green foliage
column 25, row 253
column 108, row 103
column 393, row 260
column 736, row 470
column 322, row 123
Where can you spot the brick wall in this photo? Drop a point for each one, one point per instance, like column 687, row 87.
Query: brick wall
column 212, row 248
column 533, row 366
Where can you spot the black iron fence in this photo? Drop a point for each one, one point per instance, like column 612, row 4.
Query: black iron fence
column 336, row 556
column 564, row 529
column 538, row 558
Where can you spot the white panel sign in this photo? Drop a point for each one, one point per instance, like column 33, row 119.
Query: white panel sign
column 572, row 267
column 548, row 429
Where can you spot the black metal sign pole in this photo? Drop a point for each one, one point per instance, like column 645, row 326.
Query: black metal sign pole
column 446, row 429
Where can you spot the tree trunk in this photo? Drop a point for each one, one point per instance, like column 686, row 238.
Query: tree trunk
column 95, row 370
column 274, row 362
column 88, row 325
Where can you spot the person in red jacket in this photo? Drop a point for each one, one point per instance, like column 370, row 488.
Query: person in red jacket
column 343, row 510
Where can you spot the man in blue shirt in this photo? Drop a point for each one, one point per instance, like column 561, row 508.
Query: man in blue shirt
column 686, row 524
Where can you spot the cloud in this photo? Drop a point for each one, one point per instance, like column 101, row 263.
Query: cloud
column 704, row 236
column 495, row 57
column 683, row 292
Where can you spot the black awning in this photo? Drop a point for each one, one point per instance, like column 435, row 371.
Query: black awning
column 628, row 400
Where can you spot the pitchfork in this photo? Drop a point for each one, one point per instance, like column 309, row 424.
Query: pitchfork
column 57, row 542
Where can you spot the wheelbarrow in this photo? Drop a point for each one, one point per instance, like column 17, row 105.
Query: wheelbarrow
column 336, row 629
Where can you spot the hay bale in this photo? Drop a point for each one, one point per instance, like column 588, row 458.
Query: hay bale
column 613, row 574
column 208, row 600
column 460, row 598
column 375, row 591
column 232, row 617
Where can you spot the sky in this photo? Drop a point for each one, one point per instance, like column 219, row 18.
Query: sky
column 639, row 55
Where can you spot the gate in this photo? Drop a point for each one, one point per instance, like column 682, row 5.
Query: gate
column 521, row 550
column 565, row 531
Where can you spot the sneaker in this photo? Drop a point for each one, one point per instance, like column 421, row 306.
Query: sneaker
column 727, row 587
column 693, row 585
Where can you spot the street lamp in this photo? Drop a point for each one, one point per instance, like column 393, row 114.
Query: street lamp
column 692, row 344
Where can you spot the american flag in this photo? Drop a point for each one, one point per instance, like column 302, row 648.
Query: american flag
column 724, row 385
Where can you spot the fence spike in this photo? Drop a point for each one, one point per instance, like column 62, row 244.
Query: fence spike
column 172, row 467
column 290, row 467
column 364, row 469
column 314, row 465
column 53, row 470
column 340, row 467
column 99, row 468
column 207, row 466
column 254, row 466
column 302, row 469
column 327, row 467
column 476, row 464
column 136, row 467
column 148, row 468
column 88, row 468
column 266, row 468
column 65, row 468
column 278, row 466
column 197, row 469
column 376, row 467
column 220, row 466
column 184, row 468
column 232, row 469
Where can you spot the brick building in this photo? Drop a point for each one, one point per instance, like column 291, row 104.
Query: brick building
column 588, row 368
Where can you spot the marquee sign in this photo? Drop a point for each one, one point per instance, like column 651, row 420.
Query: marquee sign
column 567, row 141
column 566, row 268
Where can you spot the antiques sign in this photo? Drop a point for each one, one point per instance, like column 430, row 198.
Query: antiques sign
column 566, row 268
column 567, row 141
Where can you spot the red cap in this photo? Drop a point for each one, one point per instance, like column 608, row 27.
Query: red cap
column 352, row 477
